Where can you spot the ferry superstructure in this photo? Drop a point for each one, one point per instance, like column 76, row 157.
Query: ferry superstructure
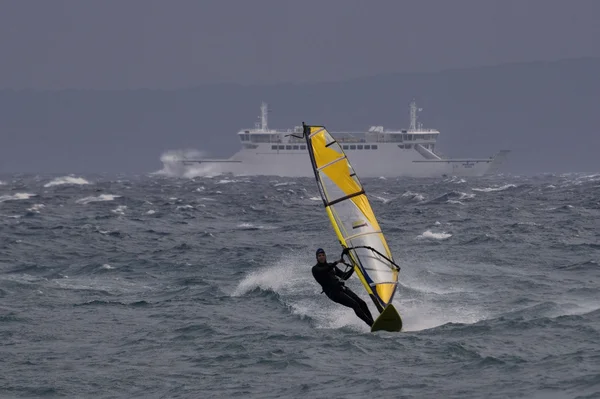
column 376, row 152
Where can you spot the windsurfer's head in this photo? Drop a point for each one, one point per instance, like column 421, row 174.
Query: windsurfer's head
column 320, row 255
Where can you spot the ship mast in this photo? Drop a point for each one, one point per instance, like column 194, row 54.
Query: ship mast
column 264, row 124
column 413, row 116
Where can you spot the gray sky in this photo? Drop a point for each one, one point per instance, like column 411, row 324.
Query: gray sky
column 122, row 44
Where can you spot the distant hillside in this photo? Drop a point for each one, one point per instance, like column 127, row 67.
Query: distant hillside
column 547, row 113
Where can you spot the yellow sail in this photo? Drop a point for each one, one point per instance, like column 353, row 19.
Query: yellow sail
column 351, row 216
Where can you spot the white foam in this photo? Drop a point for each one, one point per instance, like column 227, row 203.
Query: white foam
column 120, row 209
column 100, row 198
column 466, row 196
column 286, row 275
column 174, row 167
column 66, row 180
column 382, row 199
column 291, row 278
column 435, row 236
column 36, row 208
column 413, row 196
column 456, row 180
column 490, row 189
column 421, row 315
column 431, row 301
column 16, row 197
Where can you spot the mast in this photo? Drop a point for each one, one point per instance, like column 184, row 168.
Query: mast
column 414, row 126
column 264, row 122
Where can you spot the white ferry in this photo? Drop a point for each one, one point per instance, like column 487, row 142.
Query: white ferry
column 374, row 153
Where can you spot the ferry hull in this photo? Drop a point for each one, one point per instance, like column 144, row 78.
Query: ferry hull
column 386, row 163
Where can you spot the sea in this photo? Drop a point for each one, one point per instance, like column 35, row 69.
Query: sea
column 161, row 286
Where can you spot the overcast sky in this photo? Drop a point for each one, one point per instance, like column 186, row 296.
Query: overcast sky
column 120, row 44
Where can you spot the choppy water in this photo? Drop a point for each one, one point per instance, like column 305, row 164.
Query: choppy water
column 158, row 287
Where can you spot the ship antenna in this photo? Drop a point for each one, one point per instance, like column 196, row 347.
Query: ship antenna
column 413, row 116
column 263, row 116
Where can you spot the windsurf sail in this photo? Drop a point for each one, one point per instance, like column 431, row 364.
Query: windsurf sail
column 351, row 216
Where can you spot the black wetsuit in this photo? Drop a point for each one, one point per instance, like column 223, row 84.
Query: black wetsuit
column 331, row 279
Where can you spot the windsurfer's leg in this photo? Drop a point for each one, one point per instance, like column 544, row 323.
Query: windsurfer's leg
column 342, row 297
column 362, row 304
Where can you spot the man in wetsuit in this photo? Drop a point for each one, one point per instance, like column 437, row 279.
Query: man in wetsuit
column 332, row 280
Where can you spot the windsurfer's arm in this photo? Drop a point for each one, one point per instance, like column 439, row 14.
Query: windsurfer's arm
column 347, row 274
column 344, row 275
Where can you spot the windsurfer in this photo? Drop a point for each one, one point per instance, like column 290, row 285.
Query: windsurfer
column 331, row 279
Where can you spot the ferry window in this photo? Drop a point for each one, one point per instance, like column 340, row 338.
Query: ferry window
column 353, row 147
column 408, row 146
column 367, row 147
column 288, row 147
column 273, row 147
column 401, row 146
column 295, row 147
column 281, row 147
column 345, row 147
column 359, row 147
column 374, row 147
column 260, row 138
column 303, row 147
